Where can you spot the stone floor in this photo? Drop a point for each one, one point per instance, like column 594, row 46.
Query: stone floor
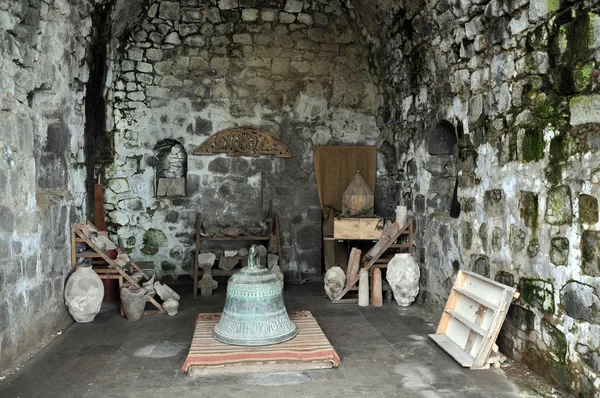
column 385, row 352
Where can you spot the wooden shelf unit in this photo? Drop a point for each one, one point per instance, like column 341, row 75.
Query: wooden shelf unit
column 472, row 318
column 96, row 259
column 247, row 238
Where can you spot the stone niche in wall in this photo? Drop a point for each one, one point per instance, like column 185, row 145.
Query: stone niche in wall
column 171, row 168
column 442, row 164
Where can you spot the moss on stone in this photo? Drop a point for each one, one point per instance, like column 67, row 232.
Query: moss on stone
column 533, row 145
column 581, row 75
column 153, row 240
column 538, row 293
column 559, row 208
column 557, row 156
column 588, row 209
column 552, row 5
column 528, row 208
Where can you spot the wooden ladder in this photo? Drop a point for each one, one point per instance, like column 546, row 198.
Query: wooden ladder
column 79, row 236
column 389, row 239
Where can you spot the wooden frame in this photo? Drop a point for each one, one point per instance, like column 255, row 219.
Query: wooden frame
column 201, row 239
column 472, row 319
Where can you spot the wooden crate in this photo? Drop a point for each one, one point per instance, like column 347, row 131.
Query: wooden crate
column 358, row 228
column 472, row 319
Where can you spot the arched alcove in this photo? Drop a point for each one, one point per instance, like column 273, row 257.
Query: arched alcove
column 442, row 144
column 171, row 168
column 442, row 140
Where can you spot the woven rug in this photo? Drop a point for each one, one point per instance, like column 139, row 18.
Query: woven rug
column 310, row 349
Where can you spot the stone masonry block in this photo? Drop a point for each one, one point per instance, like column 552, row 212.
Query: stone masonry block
column 480, row 264
column 528, row 208
column 169, row 10
column 559, row 209
column 590, row 253
column 585, row 109
column 580, row 301
column 294, row 6
column 537, row 293
column 588, row 209
column 559, row 251
column 494, row 202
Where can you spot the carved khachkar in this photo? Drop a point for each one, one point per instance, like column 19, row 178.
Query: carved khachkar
column 244, row 141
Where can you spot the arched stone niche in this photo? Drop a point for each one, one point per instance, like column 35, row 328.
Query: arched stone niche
column 171, row 168
column 442, row 140
column 442, row 145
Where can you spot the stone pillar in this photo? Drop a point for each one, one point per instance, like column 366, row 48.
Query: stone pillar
column 363, row 288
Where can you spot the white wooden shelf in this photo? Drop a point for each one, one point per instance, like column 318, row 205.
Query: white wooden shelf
column 475, row 298
column 471, row 325
column 472, row 318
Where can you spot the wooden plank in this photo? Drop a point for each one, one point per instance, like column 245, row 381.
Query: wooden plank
column 453, row 349
column 233, row 238
column 198, row 227
column 471, row 325
column 73, row 252
column 487, row 280
column 400, row 246
column 353, row 265
column 258, row 368
column 99, row 220
column 489, row 340
column 219, row 272
column 357, row 228
column 476, row 298
column 450, row 304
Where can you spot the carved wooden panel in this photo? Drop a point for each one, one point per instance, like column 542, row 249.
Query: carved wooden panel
column 243, row 141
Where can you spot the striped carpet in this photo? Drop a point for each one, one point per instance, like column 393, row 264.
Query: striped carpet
column 310, row 349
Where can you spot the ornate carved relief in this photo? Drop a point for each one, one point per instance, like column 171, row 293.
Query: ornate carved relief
column 243, row 141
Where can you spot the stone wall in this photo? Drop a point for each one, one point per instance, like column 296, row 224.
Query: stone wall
column 517, row 84
column 42, row 75
column 192, row 68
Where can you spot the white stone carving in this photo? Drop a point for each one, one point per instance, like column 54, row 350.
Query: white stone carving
column 403, row 277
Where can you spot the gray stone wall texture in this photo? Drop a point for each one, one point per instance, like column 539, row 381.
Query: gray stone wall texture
column 193, row 68
column 42, row 78
column 519, row 82
column 489, row 109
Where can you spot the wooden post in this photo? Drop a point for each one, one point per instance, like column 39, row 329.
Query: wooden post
column 353, row 265
column 363, row 288
column 376, row 289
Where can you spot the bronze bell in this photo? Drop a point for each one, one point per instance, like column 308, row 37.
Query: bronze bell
column 254, row 312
